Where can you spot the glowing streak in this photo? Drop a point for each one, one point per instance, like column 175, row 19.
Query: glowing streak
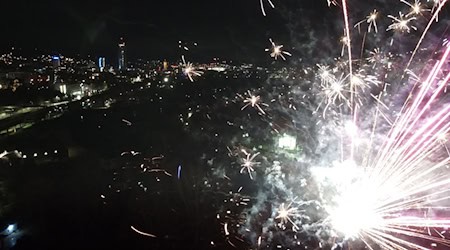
column 225, row 227
column 179, row 172
column 424, row 33
column 262, row 6
column 143, row 233
column 157, row 170
column 5, row 153
column 386, row 199
column 331, row 2
column 349, row 49
column 127, row 122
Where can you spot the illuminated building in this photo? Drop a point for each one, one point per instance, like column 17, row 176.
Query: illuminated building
column 122, row 55
column 101, row 63
column 56, row 61
column 165, row 65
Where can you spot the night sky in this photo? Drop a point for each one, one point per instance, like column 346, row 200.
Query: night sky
column 231, row 29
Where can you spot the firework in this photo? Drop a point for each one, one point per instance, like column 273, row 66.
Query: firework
column 254, row 101
column 401, row 23
column 334, row 91
column 262, row 6
column 416, row 9
column 189, row 70
column 393, row 197
column 277, row 51
column 331, row 2
column 248, row 163
column 371, row 20
column 142, row 233
column 285, row 213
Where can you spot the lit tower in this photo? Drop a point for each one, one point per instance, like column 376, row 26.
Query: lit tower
column 101, row 63
column 122, row 55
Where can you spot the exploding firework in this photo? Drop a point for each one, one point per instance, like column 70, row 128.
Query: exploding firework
column 189, row 70
column 277, row 51
column 254, row 101
column 371, row 20
column 248, row 163
column 390, row 188
column 401, row 23
column 285, row 213
column 376, row 158
column 416, row 9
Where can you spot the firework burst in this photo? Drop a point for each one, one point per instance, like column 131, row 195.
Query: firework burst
column 416, row 9
column 401, row 23
column 248, row 163
column 277, row 51
column 286, row 213
column 395, row 196
column 189, row 70
column 253, row 101
column 371, row 21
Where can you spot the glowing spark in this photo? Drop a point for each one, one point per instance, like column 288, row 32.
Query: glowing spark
column 225, row 227
column 379, row 57
column 349, row 50
column 334, row 91
column 416, row 8
column 401, row 23
column 331, row 2
column 425, row 31
column 262, row 6
column 285, row 213
column 5, row 153
column 277, row 51
column 363, row 81
column 179, row 172
column 388, row 198
column 143, row 233
column 189, row 70
column 436, row 6
column 253, row 101
column 127, row 122
column 371, row 20
column 345, row 43
column 325, row 74
column 248, row 163
column 157, row 170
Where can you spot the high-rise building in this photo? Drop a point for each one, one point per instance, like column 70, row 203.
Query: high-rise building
column 101, row 63
column 122, row 56
column 165, row 65
column 56, row 61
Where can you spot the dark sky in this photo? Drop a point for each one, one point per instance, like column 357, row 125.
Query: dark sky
column 152, row 28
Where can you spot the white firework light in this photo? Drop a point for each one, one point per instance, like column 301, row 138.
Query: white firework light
column 253, row 101
column 263, row 10
column 378, row 173
column 189, row 70
column 277, row 51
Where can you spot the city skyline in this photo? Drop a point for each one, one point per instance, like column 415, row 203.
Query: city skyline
column 232, row 29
